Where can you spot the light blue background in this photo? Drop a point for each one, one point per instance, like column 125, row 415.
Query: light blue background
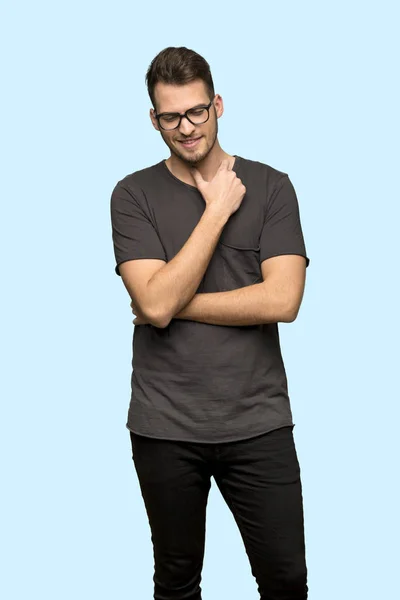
column 309, row 88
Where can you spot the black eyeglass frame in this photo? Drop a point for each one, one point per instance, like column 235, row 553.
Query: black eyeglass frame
column 185, row 114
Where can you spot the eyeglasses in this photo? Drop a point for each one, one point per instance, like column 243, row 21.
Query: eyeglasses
column 196, row 116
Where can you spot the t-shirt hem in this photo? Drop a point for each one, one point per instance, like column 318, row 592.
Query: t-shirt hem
column 213, row 441
column 283, row 253
column 149, row 256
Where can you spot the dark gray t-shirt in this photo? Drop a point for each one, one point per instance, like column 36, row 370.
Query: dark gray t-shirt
column 193, row 381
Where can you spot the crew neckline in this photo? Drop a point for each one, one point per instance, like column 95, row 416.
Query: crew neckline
column 189, row 185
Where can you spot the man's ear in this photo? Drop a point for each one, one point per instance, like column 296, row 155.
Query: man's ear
column 153, row 119
column 219, row 106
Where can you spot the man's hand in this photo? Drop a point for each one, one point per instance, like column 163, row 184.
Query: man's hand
column 140, row 318
column 224, row 192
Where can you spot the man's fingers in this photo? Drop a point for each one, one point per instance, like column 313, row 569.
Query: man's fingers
column 224, row 164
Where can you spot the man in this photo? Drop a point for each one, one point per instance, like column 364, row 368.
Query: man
column 210, row 248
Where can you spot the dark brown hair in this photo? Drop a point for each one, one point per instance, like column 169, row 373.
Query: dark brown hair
column 178, row 66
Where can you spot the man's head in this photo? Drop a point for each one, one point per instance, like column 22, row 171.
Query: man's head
column 179, row 79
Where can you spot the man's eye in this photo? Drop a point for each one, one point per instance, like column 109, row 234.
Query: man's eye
column 169, row 118
column 197, row 112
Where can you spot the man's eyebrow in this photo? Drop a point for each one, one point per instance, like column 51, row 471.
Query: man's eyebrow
column 175, row 112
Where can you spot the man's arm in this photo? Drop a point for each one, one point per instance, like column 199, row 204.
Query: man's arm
column 160, row 290
column 276, row 299
column 283, row 265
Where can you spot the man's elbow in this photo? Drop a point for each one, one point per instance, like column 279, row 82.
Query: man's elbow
column 159, row 318
column 290, row 313
column 161, row 323
column 289, row 318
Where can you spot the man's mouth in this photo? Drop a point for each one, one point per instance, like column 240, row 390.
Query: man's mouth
column 190, row 143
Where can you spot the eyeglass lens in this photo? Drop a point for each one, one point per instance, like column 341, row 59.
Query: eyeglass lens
column 196, row 116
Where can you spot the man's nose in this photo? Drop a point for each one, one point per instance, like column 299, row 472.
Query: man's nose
column 186, row 127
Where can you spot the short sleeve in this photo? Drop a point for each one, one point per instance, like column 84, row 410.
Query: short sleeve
column 133, row 233
column 282, row 232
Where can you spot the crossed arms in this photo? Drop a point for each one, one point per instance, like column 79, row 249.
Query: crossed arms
column 163, row 291
column 276, row 299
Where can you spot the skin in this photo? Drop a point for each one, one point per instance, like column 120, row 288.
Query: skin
column 276, row 299
column 279, row 296
column 207, row 156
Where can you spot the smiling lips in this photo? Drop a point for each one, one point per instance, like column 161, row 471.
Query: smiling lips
column 190, row 143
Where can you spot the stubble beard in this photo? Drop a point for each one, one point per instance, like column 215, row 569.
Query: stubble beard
column 194, row 158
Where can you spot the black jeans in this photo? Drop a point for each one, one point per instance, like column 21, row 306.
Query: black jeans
column 259, row 478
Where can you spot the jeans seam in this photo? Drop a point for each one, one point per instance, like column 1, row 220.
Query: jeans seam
column 238, row 516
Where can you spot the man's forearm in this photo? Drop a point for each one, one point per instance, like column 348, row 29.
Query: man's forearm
column 175, row 284
column 251, row 305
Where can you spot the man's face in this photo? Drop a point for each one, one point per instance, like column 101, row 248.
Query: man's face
column 173, row 98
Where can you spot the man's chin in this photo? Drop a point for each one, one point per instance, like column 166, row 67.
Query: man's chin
column 191, row 159
column 195, row 160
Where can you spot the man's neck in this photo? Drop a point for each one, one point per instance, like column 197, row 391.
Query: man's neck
column 206, row 168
